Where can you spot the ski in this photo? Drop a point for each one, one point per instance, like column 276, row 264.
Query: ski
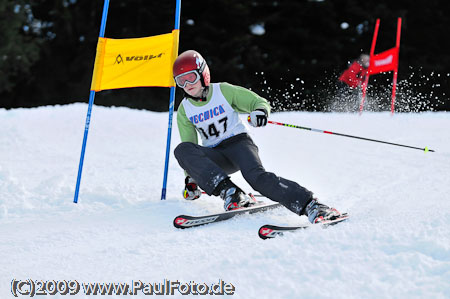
column 186, row 221
column 271, row 231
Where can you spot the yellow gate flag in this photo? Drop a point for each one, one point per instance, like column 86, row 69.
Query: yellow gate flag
column 135, row 62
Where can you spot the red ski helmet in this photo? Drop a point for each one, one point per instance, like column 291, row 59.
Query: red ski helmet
column 191, row 62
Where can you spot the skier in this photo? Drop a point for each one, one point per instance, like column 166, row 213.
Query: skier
column 348, row 93
column 355, row 74
column 211, row 110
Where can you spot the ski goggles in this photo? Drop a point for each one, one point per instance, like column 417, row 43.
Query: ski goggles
column 190, row 77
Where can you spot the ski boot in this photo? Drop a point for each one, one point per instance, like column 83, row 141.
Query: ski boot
column 317, row 212
column 233, row 197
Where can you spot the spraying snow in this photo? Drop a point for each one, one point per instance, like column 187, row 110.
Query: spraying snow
column 396, row 244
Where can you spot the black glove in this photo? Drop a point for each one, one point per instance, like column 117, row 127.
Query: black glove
column 258, row 118
column 191, row 190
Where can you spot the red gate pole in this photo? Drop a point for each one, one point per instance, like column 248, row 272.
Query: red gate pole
column 372, row 50
column 397, row 45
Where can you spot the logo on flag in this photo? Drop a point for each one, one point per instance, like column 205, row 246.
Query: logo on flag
column 380, row 62
column 119, row 59
column 142, row 57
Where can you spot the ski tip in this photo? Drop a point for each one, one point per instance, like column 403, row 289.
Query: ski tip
column 263, row 232
column 267, row 232
column 179, row 221
column 271, row 231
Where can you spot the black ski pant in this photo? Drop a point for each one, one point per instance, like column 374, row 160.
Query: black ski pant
column 209, row 166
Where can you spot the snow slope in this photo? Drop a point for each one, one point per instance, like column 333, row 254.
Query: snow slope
column 396, row 245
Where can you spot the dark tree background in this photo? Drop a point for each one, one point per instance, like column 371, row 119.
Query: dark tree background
column 47, row 48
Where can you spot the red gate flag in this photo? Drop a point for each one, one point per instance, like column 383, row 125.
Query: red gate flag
column 384, row 62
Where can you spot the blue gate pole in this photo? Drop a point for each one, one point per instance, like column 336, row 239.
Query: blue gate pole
column 171, row 106
column 91, row 102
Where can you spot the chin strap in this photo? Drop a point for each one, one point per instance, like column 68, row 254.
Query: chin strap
column 201, row 98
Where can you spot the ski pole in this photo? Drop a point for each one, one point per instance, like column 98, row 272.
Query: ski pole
column 251, row 194
column 426, row 149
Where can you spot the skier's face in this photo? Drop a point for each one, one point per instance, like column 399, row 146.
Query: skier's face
column 195, row 89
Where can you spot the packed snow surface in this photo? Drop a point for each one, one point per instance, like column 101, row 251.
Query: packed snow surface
column 395, row 245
